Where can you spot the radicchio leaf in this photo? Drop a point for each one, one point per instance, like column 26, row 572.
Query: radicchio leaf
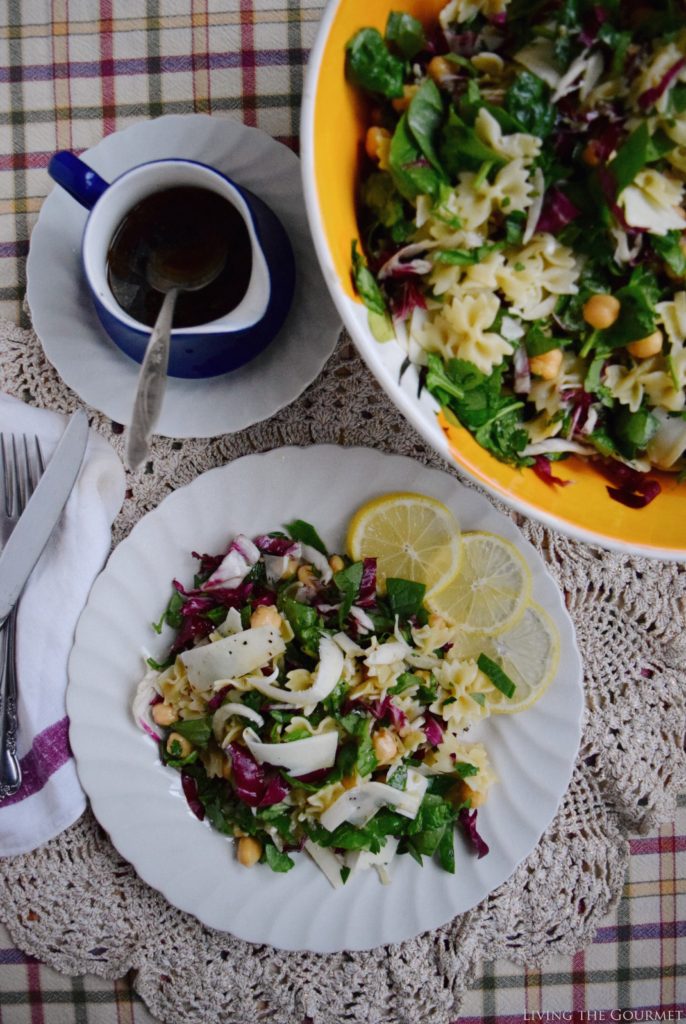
column 648, row 98
column 433, row 730
column 467, row 820
column 543, row 469
column 558, row 211
column 366, row 597
column 631, row 488
column 190, row 791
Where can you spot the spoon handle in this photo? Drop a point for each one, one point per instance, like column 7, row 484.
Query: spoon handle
column 152, row 382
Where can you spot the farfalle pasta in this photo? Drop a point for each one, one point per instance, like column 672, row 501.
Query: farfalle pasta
column 532, row 170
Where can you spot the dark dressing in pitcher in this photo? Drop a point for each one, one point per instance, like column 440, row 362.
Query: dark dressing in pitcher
column 181, row 223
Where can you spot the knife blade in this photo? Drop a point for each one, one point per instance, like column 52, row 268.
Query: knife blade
column 42, row 512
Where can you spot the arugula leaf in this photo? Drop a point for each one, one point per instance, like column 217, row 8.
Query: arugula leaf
column 405, row 33
column 514, row 227
column 465, row 257
column 359, row 726
column 618, row 42
column 365, row 283
column 398, row 778
column 668, row 247
column 370, row 65
column 677, row 98
column 171, row 614
column 367, row 288
column 404, row 681
column 638, row 150
column 461, row 148
column 277, row 861
column 636, row 318
column 197, row 730
column 305, row 622
column 633, row 430
column 305, row 533
column 428, row 692
column 160, row 666
column 446, row 850
column 464, row 769
column 412, row 173
column 536, row 341
column 333, row 703
column 528, row 101
column 405, row 597
column 348, row 582
column 381, row 197
column 495, row 673
column 424, row 118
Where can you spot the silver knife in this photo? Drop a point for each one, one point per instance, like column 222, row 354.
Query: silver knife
column 43, row 510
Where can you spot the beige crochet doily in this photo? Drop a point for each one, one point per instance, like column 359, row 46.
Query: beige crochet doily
column 76, row 905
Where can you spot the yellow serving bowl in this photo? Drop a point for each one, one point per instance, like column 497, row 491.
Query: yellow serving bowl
column 332, row 135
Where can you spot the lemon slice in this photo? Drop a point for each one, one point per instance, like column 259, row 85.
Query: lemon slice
column 412, row 536
column 528, row 652
column 491, row 588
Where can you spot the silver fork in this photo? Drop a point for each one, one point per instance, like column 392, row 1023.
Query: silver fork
column 19, row 478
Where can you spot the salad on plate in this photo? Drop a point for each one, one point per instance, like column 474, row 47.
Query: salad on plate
column 312, row 702
column 521, row 211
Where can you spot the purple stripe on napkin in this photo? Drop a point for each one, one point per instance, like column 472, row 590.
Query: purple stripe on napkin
column 49, row 752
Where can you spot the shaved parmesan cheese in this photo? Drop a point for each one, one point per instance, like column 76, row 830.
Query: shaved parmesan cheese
column 325, row 678
column 359, row 805
column 363, row 621
column 360, row 860
column 299, row 757
column 327, row 861
column 387, row 654
column 226, row 711
column 231, row 624
column 232, row 657
column 275, row 566
column 571, row 79
column 348, row 645
column 539, row 57
column 319, row 561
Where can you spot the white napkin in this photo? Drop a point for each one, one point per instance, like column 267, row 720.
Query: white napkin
column 50, row 797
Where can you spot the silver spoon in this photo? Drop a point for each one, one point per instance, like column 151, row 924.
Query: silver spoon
column 169, row 271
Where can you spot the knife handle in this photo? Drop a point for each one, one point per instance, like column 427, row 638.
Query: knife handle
column 10, row 771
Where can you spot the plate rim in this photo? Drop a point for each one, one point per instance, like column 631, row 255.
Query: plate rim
column 84, row 769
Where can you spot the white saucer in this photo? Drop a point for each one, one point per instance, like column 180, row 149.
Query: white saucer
column 90, row 363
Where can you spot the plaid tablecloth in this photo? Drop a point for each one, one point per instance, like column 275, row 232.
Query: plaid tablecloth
column 74, row 70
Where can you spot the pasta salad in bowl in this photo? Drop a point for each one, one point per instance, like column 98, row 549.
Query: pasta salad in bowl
column 518, row 241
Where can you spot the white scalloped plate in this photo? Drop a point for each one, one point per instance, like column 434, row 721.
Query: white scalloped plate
column 89, row 362
column 139, row 801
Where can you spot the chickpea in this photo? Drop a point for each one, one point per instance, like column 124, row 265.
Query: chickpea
column 306, row 576
column 601, row 311
column 336, row 563
column 547, row 365
column 643, row 348
column 249, row 851
column 377, row 144
column 401, row 103
column 488, row 63
column 462, row 792
column 178, row 746
column 440, row 70
column 384, row 746
column 590, row 155
column 164, row 714
column 266, row 615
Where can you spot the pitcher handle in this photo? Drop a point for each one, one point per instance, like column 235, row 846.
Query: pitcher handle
column 77, row 178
